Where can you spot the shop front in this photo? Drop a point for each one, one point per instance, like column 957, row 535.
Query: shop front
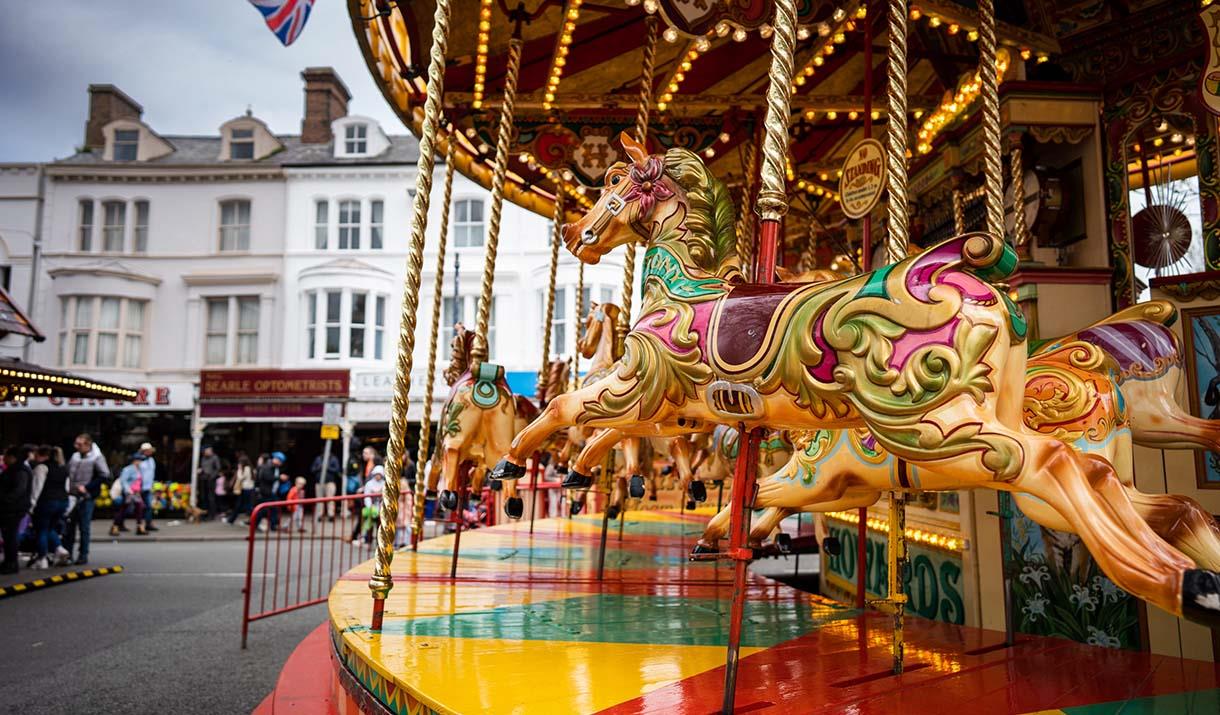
column 262, row 411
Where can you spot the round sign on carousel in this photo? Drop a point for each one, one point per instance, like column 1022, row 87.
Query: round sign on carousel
column 863, row 178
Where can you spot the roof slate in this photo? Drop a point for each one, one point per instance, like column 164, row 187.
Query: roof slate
column 201, row 150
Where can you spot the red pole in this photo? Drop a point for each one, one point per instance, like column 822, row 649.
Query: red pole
column 745, row 476
column 463, row 495
column 867, row 262
column 245, row 613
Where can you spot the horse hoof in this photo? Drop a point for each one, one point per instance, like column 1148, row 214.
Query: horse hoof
column 690, row 504
column 636, row 488
column 783, row 542
column 576, row 480
column 702, row 549
column 514, row 507
column 612, row 513
column 698, row 492
column 505, row 469
column 495, row 485
column 448, row 499
column 430, row 495
column 1201, row 597
column 831, row 546
column 561, row 469
column 575, row 507
column 652, row 497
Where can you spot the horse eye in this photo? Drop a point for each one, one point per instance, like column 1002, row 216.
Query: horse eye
column 616, row 179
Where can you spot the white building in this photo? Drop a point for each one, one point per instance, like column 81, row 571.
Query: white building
column 163, row 256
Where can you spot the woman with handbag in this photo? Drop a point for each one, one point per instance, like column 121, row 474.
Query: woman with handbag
column 129, row 489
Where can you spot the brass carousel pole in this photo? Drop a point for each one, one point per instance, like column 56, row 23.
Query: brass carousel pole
column 745, row 226
column 771, row 206
column 866, row 262
column 425, row 421
column 896, row 250
column 479, row 351
column 989, row 93
column 641, row 135
column 556, row 239
column 381, row 582
column 1020, row 230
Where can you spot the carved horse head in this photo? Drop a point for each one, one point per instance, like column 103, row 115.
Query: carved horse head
column 601, row 326
column 556, row 380
column 647, row 195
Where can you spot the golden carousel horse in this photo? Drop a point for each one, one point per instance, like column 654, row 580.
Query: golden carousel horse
column 473, row 429
column 1077, row 389
column 919, row 352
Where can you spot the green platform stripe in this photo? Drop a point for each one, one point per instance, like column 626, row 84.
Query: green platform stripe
column 40, row 583
column 1197, row 701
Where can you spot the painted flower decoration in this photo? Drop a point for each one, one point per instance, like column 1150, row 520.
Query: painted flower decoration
column 1082, row 598
column 647, row 185
column 1034, row 574
column 1035, row 607
column 1099, row 637
column 1109, row 591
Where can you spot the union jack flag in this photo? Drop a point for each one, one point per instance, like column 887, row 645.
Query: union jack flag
column 286, row 18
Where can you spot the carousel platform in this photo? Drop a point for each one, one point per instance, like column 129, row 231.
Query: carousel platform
column 527, row 627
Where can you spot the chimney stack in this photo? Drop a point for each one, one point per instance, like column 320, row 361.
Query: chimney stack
column 106, row 104
column 326, row 100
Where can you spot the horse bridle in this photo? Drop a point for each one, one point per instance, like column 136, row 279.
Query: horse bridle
column 614, row 206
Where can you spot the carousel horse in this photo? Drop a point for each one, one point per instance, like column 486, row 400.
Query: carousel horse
column 919, row 352
column 719, row 458
column 1075, row 390
column 474, row 428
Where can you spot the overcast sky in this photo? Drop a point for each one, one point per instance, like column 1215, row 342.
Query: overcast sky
column 192, row 64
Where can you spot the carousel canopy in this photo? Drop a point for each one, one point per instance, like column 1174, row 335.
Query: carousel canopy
column 13, row 320
column 580, row 76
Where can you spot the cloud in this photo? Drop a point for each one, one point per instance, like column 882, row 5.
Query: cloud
column 192, row 65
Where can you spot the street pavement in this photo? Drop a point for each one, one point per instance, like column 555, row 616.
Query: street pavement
column 163, row 636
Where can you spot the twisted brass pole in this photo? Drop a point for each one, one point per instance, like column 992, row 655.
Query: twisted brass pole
column 556, row 239
column 641, row 135
column 478, row 353
column 772, row 201
column 745, row 227
column 989, row 93
column 897, row 237
column 580, row 321
column 425, row 421
column 1020, row 231
column 381, row 583
column 959, row 212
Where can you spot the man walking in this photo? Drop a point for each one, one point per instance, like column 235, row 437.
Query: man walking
column 268, row 479
column 209, row 470
column 327, row 481
column 87, row 472
column 148, row 475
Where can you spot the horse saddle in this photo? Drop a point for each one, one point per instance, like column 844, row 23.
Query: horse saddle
column 745, row 326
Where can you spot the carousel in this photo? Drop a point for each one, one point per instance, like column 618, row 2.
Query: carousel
column 913, row 268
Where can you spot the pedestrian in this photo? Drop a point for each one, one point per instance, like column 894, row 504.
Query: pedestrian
column 87, row 472
column 296, row 494
column 148, row 479
column 209, row 470
column 370, row 515
column 51, row 504
column 15, row 485
column 267, row 480
column 327, row 481
column 129, row 486
column 243, row 487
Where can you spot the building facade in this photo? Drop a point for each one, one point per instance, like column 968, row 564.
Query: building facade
column 161, row 258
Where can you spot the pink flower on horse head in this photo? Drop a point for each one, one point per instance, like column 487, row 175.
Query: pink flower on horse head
column 647, row 185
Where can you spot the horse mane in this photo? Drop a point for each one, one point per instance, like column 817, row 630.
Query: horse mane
column 613, row 312
column 459, row 355
column 710, row 222
column 556, row 379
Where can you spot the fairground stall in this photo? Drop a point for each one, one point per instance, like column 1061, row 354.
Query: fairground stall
column 940, row 266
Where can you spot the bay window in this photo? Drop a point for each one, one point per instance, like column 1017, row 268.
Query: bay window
column 102, row 331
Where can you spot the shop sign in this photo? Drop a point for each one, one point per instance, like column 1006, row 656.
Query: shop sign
column 379, row 385
column 262, row 409
column 163, row 397
column 933, row 583
column 1209, row 78
column 863, row 178
column 272, row 384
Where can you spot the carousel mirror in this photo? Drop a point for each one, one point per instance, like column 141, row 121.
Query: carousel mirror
column 1163, row 198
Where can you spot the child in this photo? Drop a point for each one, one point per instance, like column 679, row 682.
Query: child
column 371, row 514
column 297, row 493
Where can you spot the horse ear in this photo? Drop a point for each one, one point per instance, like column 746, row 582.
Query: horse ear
column 635, row 150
